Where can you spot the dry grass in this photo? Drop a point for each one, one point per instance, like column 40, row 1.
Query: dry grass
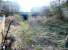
column 2, row 26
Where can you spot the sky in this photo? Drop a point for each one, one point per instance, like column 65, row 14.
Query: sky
column 27, row 5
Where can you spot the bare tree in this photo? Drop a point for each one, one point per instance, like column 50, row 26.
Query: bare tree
column 9, row 8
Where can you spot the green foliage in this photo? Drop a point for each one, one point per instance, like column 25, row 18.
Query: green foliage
column 38, row 48
column 54, row 29
column 51, row 28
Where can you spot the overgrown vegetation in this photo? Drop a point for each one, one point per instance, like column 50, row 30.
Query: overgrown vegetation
column 39, row 32
column 51, row 31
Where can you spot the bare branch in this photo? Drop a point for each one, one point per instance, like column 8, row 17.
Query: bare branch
column 8, row 28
